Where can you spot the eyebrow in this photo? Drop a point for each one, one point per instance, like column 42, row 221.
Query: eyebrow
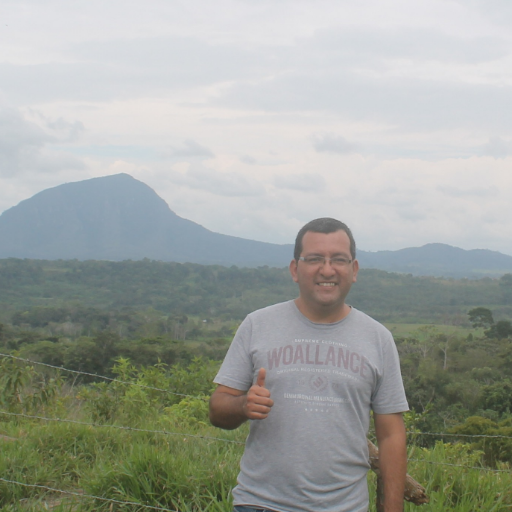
column 344, row 254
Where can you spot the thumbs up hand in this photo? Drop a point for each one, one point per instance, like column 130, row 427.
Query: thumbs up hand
column 258, row 402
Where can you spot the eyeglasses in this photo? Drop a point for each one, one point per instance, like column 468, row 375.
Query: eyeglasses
column 316, row 261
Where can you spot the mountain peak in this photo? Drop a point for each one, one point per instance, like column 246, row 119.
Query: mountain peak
column 118, row 217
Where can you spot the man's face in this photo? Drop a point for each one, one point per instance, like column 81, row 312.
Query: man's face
column 324, row 286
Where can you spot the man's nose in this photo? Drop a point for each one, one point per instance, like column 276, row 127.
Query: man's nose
column 327, row 267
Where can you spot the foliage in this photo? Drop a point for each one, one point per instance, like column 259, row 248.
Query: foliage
column 505, row 284
column 501, row 330
column 497, row 447
column 480, row 317
column 178, row 461
column 455, row 480
column 22, row 390
column 142, row 394
column 188, row 413
column 135, row 321
column 196, row 474
column 76, row 298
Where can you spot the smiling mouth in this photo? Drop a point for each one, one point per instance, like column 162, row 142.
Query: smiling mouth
column 326, row 284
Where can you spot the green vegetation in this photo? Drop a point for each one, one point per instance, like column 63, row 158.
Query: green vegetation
column 84, row 296
column 130, row 442
column 165, row 326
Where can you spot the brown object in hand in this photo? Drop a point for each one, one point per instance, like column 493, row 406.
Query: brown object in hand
column 414, row 492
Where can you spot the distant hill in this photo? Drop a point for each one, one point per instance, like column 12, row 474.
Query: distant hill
column 119, row 218
column 439, row 260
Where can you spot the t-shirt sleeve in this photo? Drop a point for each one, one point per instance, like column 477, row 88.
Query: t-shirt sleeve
column 237, row 370
column 389, row 395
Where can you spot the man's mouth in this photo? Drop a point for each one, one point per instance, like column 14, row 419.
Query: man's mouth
column 326, row 284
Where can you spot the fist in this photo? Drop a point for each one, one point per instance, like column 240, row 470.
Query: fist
column 258, row 402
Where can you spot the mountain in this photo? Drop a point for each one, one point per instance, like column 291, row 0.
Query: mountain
column 439, row 260
column 118, row 218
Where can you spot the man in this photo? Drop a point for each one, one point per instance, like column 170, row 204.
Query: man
column 307, row 373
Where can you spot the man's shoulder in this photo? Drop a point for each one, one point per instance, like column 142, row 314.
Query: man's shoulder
column 279, row 309
column 366, row 320
column 270, row 317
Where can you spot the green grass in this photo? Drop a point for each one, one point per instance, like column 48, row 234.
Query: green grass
column 172, row 471
column 178, row 466
column 192, row 474
column 405, row 330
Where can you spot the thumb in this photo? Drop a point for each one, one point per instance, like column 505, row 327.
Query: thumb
column 260, row 381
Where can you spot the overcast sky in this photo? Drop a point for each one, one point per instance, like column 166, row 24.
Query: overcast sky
column 252, row 117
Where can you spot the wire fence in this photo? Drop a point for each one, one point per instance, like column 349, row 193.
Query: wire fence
column 111, row 379
column 82, row 495
column 119, row 427
column 446, row 434
column 200, row 397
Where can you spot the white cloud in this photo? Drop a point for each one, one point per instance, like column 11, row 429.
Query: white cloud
column 332, row 143
column 23, row 144
column 216, row 183
column 189, row 149
column 309, row 183
column 248, row 159
column 497, row 147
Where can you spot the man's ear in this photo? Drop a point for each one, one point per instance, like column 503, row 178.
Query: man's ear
column 293, row 270
column 355, row 271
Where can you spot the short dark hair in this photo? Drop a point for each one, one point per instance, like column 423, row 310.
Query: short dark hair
column 324, row 225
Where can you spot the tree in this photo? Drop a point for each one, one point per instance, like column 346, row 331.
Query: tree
column 424, row 339
column 500, row 330
column 506, row 287
column 481, row 317
column 444, row 345
column 498, row 396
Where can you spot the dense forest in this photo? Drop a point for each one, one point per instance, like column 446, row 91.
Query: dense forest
column 85, row 315
column 61, row 288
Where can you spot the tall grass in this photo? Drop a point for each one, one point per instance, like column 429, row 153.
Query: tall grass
column 178, row 472
column 193, row 474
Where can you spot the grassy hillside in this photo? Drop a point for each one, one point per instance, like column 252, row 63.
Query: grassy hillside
column 122, row 445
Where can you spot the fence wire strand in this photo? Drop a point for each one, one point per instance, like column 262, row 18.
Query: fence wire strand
column 434, row 463
column 83, row 495
column 120, row 427
column 111, row 379
column 211, row 438
column 442, row 434
column 164, row 509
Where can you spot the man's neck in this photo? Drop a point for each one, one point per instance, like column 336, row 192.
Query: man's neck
column 323, row 315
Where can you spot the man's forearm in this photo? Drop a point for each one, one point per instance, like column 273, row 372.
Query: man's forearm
column 391, row 438
column 230, row 407
column 393, row 467
column 227, row 411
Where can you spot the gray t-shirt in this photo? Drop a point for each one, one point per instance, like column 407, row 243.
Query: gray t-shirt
column 311, row 454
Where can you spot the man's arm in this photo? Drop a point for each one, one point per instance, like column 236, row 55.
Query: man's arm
column 230, row 407
column 391, row 438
